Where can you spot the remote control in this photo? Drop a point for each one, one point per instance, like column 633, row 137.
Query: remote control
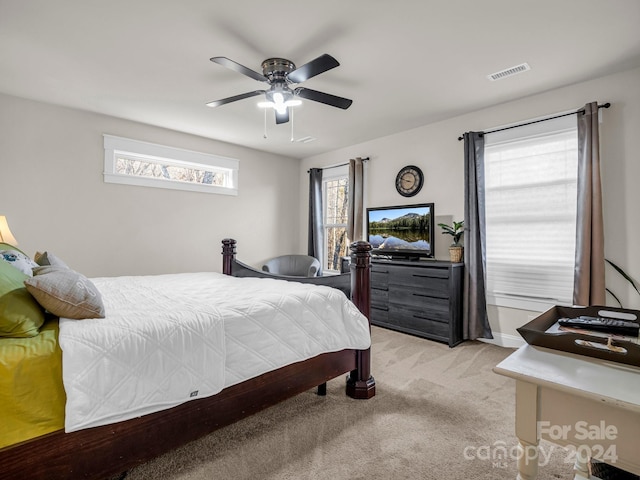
column 604, row 324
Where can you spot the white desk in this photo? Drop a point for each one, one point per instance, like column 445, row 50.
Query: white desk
column 564, row 398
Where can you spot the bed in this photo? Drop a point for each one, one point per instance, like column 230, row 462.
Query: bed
column 106, row 450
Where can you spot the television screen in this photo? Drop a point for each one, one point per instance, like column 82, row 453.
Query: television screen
column 402, row 231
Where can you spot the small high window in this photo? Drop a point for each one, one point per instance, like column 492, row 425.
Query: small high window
column 133, row 162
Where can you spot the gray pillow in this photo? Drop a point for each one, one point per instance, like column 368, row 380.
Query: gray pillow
column 65, row 292
column 48, row 258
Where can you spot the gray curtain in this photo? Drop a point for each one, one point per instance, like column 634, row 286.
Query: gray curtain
column 589, row 287
column 316, row 232
column 356, row 192
column 475, row 319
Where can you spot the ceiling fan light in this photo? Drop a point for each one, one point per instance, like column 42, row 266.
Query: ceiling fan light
column 266, row 105
column 293, row 103
column 278, row 98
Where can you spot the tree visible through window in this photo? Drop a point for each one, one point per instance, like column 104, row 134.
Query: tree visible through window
column 133, row 162
column 166, row 171
column 336, row 203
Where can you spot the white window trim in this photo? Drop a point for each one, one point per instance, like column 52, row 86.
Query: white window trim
column 176, row 156
column 331, row 173
column 522, row 303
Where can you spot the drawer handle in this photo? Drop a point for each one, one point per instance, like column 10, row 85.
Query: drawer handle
column 424, row 295
column 431, row 319
column 382, row 308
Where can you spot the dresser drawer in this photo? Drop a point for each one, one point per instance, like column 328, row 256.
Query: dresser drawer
column 420, row 300
column 379, row 280
column 399, row 273
column 409, row 318
column 432, row 285
column 379, row 298
column 379, row 315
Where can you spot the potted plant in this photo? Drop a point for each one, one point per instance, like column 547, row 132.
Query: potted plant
column 456, row 230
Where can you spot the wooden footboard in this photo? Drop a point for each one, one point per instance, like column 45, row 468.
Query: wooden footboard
column 100, row 452
column 356, row 284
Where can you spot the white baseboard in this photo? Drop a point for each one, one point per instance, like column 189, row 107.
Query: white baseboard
column 505, row 340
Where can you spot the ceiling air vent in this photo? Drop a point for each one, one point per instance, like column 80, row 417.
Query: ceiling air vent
column 523, row 67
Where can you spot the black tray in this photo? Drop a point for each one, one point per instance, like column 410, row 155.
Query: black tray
column 543, row 331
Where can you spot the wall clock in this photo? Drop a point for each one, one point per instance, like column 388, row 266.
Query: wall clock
column 409, row 180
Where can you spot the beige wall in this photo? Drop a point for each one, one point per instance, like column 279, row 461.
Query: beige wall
column 53, row 194
column 436, row 150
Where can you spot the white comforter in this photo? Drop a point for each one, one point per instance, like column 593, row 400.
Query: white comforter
column 167, row 339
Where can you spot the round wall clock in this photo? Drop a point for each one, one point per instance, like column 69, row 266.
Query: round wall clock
column 409, row 180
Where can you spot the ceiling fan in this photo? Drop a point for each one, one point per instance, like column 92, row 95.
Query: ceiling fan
column 281, row 74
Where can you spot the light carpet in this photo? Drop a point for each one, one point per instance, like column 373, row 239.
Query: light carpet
column 438, row 413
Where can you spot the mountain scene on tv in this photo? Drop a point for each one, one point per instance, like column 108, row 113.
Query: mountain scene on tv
column 406, row 232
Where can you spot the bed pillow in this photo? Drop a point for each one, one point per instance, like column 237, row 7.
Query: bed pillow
column 65, row 293
column 18, row 260
column 20, row 314
column 48, row 258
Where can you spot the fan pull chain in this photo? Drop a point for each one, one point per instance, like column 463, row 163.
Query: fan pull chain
column 264, row 135
column 291, row 110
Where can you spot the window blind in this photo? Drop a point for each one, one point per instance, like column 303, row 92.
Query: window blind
column 531, row 202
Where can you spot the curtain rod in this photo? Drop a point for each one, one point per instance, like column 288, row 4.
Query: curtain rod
column 366, row 159
column 606, row 105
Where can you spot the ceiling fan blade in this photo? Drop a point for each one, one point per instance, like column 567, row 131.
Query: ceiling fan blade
column 322, row 97
column 282, row 117
column 314, row 67
column 236, row 67
column 235, row 98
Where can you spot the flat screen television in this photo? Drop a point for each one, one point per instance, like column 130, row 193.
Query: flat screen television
column 403, row 231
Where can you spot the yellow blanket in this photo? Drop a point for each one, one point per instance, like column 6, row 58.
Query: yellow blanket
column 32, row 397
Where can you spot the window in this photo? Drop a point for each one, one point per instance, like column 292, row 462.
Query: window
column 531, row 204
column 336, row 209
column 132, row 162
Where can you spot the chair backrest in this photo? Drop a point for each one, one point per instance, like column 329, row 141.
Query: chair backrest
column 293, row 265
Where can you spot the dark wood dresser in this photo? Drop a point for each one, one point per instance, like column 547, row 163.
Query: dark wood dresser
column 422, row 298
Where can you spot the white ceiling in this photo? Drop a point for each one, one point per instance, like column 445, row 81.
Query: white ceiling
column 404, row 63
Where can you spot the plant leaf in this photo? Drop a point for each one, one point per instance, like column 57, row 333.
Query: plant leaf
column 614, row 296
column 446, row 228
column 455, row 230
column 623, row 273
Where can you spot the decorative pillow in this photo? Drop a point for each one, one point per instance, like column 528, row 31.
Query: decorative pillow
column 18, row 260
column 65, row 293
column 20, row 314
column 48, row 258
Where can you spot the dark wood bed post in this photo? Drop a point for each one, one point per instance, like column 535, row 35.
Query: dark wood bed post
column 360, row 383
column 228, row 255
